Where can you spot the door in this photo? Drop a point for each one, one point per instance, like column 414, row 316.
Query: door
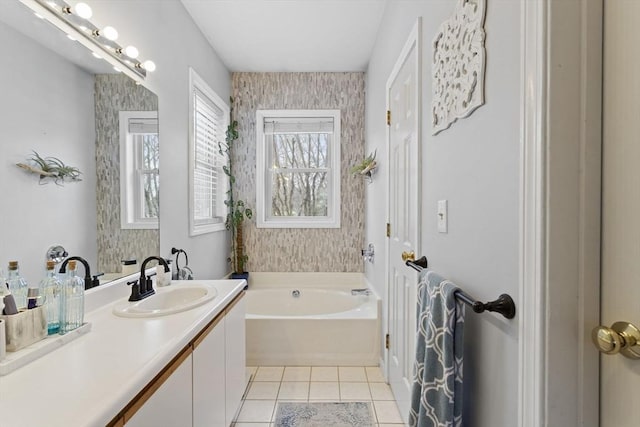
column 620, row 294
column 403, row 95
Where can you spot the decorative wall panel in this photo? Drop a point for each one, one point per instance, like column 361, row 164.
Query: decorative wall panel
column 304, row 250
column 115, row 93
column 458, row 65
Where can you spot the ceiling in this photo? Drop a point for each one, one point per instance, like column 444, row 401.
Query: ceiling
column 290, row 35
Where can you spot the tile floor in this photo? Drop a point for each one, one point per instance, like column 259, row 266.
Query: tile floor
column 309, row 384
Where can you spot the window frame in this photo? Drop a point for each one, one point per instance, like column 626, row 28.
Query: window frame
column 264, row 218
column 131, row 187
column 217, row 222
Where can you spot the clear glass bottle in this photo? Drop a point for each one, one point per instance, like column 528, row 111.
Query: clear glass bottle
column 50, row 288
column 71, row 300
column 17, row 285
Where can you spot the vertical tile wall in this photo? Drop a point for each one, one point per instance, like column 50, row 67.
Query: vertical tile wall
column 296, row 249
column 115, row 93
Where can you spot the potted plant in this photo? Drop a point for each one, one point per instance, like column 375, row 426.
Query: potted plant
column 237, row 210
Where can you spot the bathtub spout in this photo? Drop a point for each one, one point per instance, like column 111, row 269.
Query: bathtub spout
column 363, row 291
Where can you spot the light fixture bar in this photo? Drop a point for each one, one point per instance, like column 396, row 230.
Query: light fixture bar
column 60, row 14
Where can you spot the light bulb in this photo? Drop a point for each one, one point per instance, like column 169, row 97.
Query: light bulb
column 131, row 52
column 109, row 33
column 82, row 10
column 150, row 66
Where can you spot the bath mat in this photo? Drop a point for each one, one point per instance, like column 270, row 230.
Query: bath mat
column 324, row 414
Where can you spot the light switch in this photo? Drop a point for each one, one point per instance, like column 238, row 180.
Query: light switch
column 442, row 216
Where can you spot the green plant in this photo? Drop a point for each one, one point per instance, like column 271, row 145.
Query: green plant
column 365, row 166
column 51, row 167
column 237, row 209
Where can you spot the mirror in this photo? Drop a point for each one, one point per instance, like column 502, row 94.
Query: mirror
column 60, row 101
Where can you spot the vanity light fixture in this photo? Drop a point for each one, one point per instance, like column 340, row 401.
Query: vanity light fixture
column 74, row 21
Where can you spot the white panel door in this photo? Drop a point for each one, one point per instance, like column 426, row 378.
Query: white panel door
column 620, row 376
column 403, row 95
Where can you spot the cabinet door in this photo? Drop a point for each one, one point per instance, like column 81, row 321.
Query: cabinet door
column 236, row 358
column 209, row 377
column 170, row 403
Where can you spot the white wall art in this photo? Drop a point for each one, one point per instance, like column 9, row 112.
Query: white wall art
column 458, row 64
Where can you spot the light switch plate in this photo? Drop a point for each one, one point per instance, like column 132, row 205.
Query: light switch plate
column 442, row 216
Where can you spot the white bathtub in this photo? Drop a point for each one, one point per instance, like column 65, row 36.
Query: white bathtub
column 324, row 326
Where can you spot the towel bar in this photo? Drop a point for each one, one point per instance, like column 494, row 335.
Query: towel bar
column 503, row 305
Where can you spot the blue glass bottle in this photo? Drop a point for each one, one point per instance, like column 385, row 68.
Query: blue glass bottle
column 51, row 288
column 71, row 300
column 17, row 285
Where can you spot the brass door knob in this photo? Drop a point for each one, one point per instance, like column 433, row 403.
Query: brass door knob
column 408, row 256
column 621, row 337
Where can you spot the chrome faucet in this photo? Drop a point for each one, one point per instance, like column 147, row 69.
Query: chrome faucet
column 368, row 253
column 88, row 282
column 144, row 287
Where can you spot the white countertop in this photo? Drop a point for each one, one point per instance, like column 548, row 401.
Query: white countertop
column 89, row 380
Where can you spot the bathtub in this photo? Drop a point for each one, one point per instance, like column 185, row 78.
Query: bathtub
column 325, row 325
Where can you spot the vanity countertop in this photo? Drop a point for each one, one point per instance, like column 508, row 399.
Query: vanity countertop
column 89, row 380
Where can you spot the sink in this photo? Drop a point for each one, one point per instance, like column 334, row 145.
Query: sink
column 168, row 300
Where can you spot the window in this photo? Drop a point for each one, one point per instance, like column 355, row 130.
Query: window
column 208, row 116
column 139, row 169
column 298, row 168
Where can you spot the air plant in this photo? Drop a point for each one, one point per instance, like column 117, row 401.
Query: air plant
column 365, row 166
column 52, row 168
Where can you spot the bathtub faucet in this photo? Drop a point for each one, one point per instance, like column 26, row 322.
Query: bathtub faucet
column 363, row 291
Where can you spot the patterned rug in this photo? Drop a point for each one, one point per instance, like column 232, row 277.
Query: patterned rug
column 324, row 414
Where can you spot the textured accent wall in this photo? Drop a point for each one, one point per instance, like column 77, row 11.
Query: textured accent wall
column 115, row 93
column 296, row 249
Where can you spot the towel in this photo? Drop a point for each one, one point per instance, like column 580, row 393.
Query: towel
column 436, row 394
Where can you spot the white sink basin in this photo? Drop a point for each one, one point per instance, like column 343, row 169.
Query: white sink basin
column 169, row 300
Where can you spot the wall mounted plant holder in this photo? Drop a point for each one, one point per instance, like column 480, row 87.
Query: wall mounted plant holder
column 366, row 167
column 50, row 169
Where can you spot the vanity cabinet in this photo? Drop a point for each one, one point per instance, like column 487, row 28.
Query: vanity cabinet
column 167, row 400
column 236, row 366
column 209, row 382
column 203, row 385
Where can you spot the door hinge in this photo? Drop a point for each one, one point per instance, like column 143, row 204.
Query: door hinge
column 388, row 117
column 386, row 342
column 388, row 230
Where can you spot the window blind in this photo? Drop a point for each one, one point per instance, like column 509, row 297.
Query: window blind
column 298, row 125
column 140, row 125
column 208, row 130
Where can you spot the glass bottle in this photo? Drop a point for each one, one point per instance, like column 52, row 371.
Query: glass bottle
column 71, row 300
column 17, row 285
column 50, row 287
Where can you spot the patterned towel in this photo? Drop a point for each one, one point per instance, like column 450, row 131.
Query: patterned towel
column 436, row 395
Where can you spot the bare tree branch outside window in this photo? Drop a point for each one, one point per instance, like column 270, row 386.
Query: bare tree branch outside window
column 300, row 173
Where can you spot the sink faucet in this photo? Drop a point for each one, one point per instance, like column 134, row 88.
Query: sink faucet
column 88, row 282
column 144, row 287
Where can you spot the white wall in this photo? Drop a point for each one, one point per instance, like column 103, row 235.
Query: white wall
column 164, row 32
column 475, row 166
column 52, row 114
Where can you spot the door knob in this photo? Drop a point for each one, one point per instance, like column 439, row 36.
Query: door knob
column 408, row 256
column 621, row 337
